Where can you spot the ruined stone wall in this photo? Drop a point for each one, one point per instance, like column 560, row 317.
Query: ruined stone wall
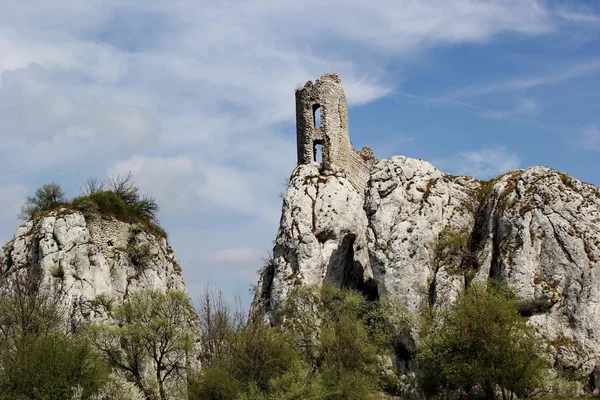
column 327, row 95
column 109, row 234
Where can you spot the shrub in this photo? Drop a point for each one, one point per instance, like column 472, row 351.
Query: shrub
column 118, row 197
column 58, row 272
column 256, row 357
column 28, row 309
column 328, row 347
column 143, row 210
column 481, row 344
column 117, row 387
column 50, row 367
column 343, row 336
column 139, row 254
column 48, row 197
column 92, row 185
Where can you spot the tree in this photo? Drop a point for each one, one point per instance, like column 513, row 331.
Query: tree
column 218, row 324
column 150, row 327
column 28, row 309
column 38, row 359
column 47, row 197
column 241, row 360
column 91, row 186
column 343, row 337
column 50, row 368
column 258, row 362
column 481, row 344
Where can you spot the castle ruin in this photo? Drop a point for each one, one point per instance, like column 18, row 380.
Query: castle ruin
column 322, row 123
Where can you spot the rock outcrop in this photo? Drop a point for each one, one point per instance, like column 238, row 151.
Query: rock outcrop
column 322, row 237
column 93, row 262
column 422, row 236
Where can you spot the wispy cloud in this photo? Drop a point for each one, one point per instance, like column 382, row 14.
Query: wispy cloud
column 236, row 256
column 13, row 196
column 572, row 72
column 442, row 102
column 590, row 137
column 590, row 18
column 483, row 164
column 527, row 106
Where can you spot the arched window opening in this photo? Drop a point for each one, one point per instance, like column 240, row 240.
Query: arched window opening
column 318, row 152
column 317, row 115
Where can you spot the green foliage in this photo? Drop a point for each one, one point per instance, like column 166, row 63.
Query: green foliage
column 132, row 209
column 118, row 197
column 28, row 309
column 481, row 344
column 104, row 301
column 58, row 272
column 452, row 251
column 50, row 368
column 139, row 254
column 151, row 326
column 238, row 359
column 49, row 196
column 343, row 337
column 117, row 387
column 329, row 346
column 452, row 245
column 257, row 356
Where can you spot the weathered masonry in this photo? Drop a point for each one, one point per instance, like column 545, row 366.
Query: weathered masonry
column 322, row 127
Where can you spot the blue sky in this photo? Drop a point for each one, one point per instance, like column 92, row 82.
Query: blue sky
column 196, row 98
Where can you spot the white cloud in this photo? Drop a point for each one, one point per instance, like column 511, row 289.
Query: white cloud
column 12, row 197
column 579, row 17
column 35, row 109
column 590, row 137
column 174, row 181
column 236, row 256
column 527, row 106
column 482, row 164
column 565, row 74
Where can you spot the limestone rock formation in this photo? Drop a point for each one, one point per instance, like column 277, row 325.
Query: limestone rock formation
column 421, row 236
column 322, row 238
column 539, row 232
column 93, row 262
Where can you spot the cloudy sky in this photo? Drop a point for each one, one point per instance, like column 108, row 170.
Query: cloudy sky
column 196, row 98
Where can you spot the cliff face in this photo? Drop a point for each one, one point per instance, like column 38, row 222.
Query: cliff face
column 93, row 263
column 421, row 236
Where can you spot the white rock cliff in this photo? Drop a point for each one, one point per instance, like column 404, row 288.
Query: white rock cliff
column 421, row 236
column 93, row 262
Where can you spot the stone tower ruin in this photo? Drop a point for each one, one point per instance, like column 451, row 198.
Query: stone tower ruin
column 330, row 132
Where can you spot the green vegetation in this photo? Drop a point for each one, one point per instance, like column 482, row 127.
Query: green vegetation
column 50, row 367
column 38, row 360
column 329, row 343
column 151, row 328
column 479, row 345
column 58, row 272
column 118, row 197
column 49, row 196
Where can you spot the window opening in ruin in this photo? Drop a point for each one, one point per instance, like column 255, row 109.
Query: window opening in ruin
column 318, row 152
column 317, row 115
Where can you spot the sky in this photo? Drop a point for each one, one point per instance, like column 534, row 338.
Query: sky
column 196, row 99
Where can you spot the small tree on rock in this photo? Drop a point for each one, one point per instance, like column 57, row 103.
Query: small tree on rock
column 47, row 197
